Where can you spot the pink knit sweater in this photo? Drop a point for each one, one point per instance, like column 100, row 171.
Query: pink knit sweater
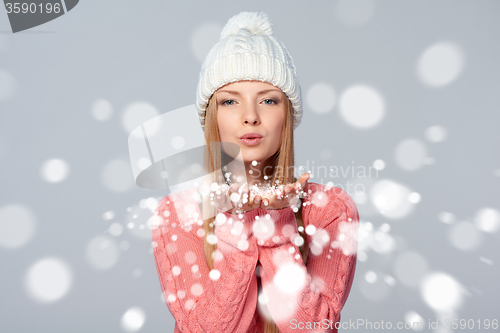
column 299, row 298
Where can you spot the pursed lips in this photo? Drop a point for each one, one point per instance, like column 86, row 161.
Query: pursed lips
column 251, row 139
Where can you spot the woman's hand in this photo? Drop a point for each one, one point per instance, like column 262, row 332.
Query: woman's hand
column 236, row 199
column 288, row 196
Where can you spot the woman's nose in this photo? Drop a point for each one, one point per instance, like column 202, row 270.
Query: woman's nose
column 250, row 115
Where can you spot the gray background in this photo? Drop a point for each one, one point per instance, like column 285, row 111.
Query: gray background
column 147, row 51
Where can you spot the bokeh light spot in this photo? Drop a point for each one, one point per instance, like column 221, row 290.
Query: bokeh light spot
column 48, row 280
column 263, row 229
column 410, row 154
column 290, row 278
column 116, row 176
column 464, row 236
column 362, row 106
column 204, row 38
column 410, row 268
column 379, row 164
column 415, row 320
column 414, row 197
column 391, row 199
column 135, row 114
column 101, row 110
column 214, row 274
column 436, row 133
column 487, row 219
column 109, row 215
column 54, row 170
column 17, row 226
column 373, row 288
column 102, row 252
column 196, row 289
column 447, row 217
column 382, row 242
column 321, row 98
column 440, row 64
column 178, row 142
column 371, row 277
column 441, row 292
column 133, row 319
column 115, row 229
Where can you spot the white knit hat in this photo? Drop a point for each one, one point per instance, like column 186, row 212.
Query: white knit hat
column 248, row 50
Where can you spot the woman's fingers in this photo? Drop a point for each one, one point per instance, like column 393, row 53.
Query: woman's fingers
column 288, row 196
column 301, row 182
column 239, row 199
column 299, row 185
column 257, row 200
column 253, row 202
column 245, row 195
column 232, row 190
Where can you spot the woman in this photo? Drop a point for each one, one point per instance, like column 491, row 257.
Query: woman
column 269, row 252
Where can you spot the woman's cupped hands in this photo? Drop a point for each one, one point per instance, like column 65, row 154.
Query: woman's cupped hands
column 237, row 199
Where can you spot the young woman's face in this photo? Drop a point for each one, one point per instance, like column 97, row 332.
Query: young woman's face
column 251, row 114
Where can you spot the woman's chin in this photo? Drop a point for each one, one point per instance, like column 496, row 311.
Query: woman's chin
column 250, row 159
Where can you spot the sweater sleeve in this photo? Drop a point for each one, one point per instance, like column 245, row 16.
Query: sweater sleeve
column 221, row 300
column 298, row 296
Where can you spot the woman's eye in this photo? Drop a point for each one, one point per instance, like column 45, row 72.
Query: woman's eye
column 269, row 101
column 228, row 102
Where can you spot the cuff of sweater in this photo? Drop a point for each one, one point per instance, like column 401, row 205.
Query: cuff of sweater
column 270, row 227
column 244, row 217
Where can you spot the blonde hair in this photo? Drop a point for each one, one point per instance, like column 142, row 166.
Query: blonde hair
column 282, row 160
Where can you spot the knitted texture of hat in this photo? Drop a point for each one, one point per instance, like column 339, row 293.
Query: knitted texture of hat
column 248, row 50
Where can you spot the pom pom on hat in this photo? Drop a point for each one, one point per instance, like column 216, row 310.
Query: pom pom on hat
column 257, row 23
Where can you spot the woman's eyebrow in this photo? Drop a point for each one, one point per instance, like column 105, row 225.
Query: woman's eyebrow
column 259, row 93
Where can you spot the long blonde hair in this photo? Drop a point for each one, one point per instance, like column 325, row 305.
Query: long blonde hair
column 283, row 160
